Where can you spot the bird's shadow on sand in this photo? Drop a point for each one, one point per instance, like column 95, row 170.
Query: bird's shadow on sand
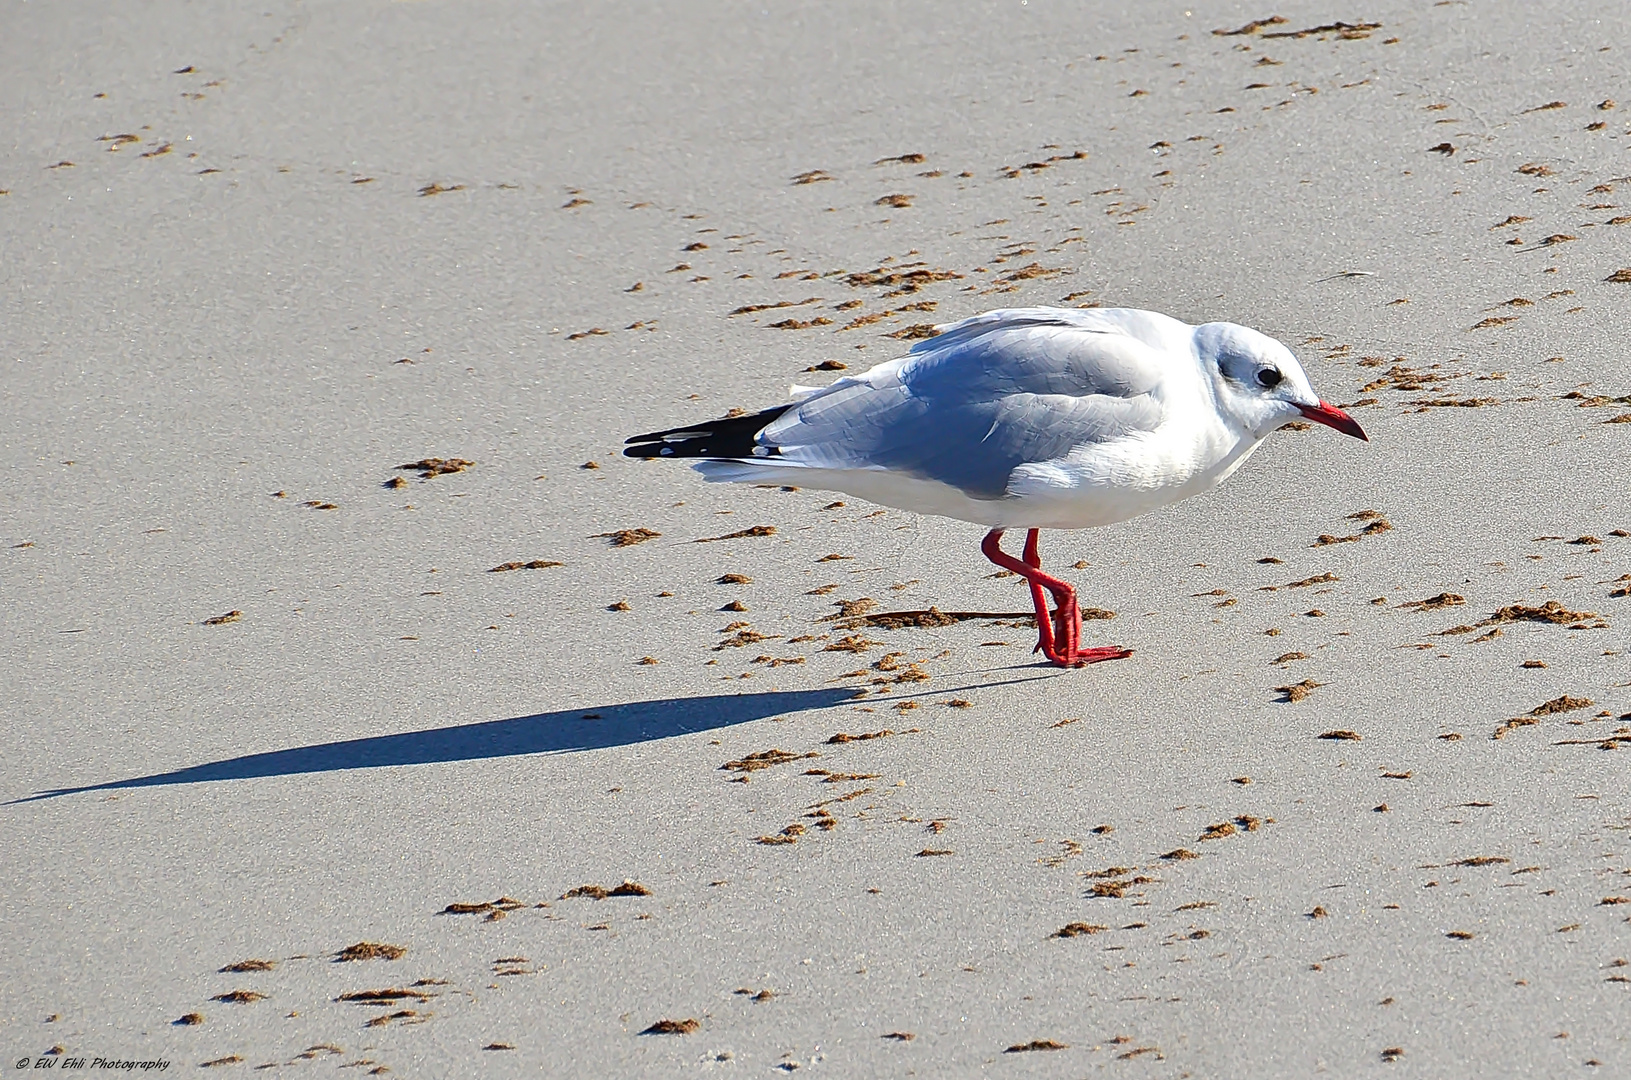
column 594, row 728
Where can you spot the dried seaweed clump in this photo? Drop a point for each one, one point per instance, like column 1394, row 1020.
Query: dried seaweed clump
column 250, row 965
column 1079, row 929
column 1549, row 612
column 435, row 466
column 1434, row 603
column 370, row 950
column 600, row 892
column 1297, row 691
column 486, row 907
column 673, row 1027
column 756, row 530
column 764, row 759
column 627, row 537
column 1546, row 708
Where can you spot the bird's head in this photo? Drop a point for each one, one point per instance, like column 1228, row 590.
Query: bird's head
column 1258, row 384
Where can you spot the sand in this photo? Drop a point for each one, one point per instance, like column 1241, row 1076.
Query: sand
column 262, row 705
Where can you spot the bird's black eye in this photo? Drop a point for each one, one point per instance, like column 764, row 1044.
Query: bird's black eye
column 1268, row 377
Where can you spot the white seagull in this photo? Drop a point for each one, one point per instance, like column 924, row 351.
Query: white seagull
column 1026, row 418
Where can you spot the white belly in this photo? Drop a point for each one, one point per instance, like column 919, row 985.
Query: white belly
column 1097, row 486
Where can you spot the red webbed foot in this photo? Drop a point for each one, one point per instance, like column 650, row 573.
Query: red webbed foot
column 1059, row 632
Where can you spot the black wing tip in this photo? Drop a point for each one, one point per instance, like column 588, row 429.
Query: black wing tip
column 726, row 437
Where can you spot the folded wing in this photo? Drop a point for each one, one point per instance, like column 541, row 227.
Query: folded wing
column 987, row 395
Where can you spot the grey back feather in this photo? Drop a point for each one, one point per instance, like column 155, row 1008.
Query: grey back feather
column 986, row 396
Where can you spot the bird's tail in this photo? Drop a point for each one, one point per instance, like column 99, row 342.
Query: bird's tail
column 727, row 437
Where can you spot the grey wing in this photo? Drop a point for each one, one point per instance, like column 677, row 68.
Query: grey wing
column 969, row 412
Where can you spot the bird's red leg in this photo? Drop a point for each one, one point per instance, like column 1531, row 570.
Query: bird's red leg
column 1067, row 620
column 1057, row 641
column 1059, row 634
column 1049, row 641
column 991, row 546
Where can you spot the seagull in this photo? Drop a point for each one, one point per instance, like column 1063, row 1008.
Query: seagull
column 1026, row 418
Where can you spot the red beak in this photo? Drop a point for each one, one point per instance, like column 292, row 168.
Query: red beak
column 1333, row 417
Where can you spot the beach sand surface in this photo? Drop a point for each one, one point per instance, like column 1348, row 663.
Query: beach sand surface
column 1354, row 805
